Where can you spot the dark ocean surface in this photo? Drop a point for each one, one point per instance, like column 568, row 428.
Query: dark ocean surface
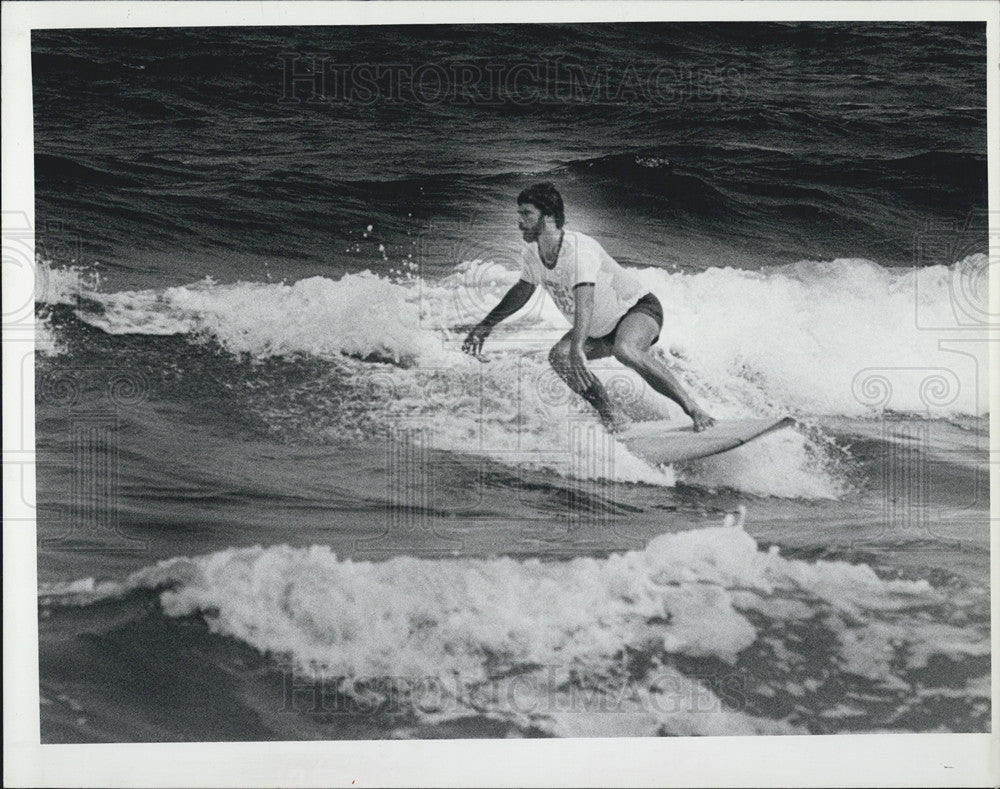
column 277, row 502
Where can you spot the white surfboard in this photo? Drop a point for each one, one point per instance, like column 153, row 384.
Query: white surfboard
column 666, row 442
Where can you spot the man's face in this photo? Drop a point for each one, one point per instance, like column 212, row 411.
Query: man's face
column 530, row 222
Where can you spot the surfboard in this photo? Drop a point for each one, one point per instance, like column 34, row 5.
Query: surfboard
column 666, row 442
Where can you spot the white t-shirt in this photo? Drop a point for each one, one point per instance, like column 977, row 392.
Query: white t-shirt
column 583, row 260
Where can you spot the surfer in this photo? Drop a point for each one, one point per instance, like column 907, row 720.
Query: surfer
column 611, row 312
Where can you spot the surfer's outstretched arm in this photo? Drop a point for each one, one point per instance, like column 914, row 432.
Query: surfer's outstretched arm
column 513, row 300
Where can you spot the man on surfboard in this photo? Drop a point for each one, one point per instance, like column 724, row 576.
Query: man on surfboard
column 611, row 312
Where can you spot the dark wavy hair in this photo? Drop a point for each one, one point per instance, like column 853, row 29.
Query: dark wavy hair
column 546, row 198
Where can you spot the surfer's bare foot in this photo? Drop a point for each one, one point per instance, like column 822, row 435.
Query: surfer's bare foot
column 702, row 419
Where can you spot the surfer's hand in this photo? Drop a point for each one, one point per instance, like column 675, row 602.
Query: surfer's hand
column 579, row 373
column 701, row 419
column 474, row 341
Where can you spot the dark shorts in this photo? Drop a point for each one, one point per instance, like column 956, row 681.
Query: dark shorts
column 647, row 305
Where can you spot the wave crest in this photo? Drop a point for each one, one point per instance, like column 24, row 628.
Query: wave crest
column 468, row 624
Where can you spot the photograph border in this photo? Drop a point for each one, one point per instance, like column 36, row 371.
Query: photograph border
column 813, row 760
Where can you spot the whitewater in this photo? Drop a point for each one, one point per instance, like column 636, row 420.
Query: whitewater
column 729, row 327
column 578, row 648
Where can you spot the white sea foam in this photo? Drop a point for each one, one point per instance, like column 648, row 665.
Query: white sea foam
column 57, row 286
column 553, row 628
column 64, row 285
column 46, row 338
column 360, row 314
column 819, row 338
column 811, row 335
column 836, row 338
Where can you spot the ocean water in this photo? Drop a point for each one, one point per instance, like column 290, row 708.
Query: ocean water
column 275, row 499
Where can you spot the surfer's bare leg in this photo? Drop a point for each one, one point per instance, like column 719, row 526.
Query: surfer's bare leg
column 633, row 348
column 595, row 394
